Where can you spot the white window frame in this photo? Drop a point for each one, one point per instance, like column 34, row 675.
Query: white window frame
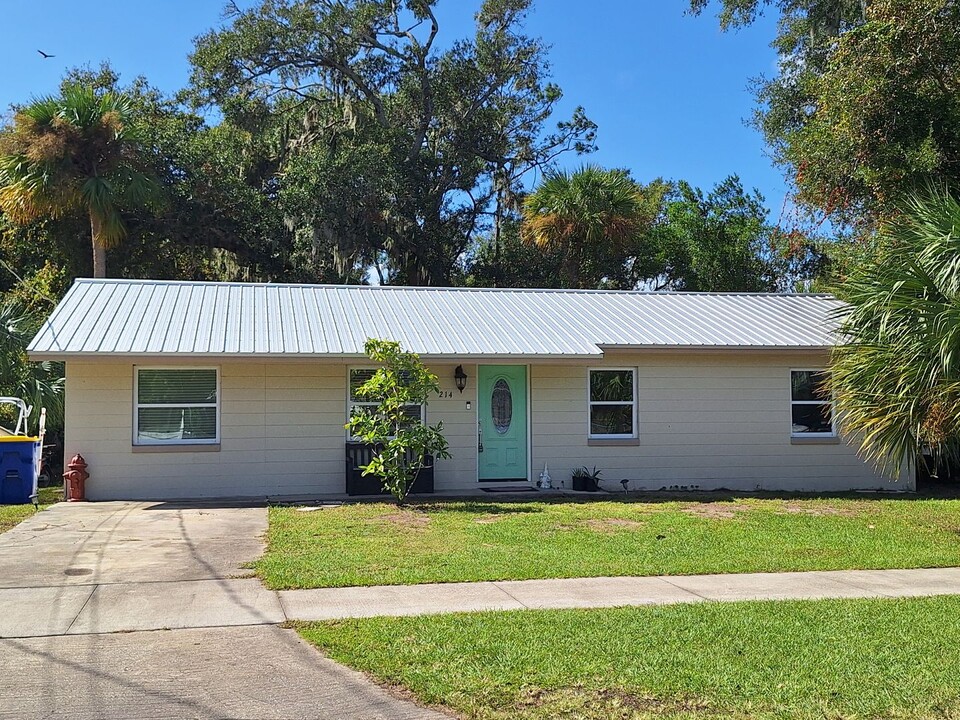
column 590, row 404
column 137, row 441
column 830, row 402
column 351, row 402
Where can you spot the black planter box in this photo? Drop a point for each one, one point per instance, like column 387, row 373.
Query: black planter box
column 359, row 454
column 585, row 484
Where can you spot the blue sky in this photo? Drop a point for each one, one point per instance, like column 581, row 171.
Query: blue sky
column 669, row 91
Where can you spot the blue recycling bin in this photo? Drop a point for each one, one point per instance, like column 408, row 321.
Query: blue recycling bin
column 19, row 457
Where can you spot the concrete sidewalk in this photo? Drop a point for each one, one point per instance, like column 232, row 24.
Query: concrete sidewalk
column 352, row 602
column 222, row 602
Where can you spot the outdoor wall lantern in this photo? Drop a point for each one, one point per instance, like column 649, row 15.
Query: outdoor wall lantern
column 461, row 377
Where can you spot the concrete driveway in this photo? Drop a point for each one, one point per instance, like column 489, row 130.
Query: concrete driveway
column 143, row 610
column 108, row 567
column 123, row 542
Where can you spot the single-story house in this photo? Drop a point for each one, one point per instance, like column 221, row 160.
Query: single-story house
column 200, row 389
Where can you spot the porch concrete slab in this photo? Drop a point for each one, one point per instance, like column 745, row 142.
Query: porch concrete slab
column 356, row 602
column 211, row 673
column 903, row 583
column 167, row 605
column 29, row 612
column 596, row 592
column 771, row 586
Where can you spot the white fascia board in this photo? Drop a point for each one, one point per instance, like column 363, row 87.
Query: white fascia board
column 716, row 348
column 183, row 357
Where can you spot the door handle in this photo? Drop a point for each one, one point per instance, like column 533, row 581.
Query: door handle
column 479, row 437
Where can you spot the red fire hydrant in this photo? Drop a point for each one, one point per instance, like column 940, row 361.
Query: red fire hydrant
column 75, row 477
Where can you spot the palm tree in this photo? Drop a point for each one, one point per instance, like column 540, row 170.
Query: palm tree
column 76, row 152
column 588, row 211
column 896, row 379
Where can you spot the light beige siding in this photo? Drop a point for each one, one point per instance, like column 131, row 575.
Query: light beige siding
column 706, row 420
column 459, row 427
column 281, row 429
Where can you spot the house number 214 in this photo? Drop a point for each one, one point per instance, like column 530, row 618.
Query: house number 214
column 445, row 394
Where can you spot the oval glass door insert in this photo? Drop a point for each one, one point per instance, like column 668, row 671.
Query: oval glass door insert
column 501, row 406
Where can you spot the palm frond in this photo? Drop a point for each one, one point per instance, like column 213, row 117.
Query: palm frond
column 39, row 384
column 591, row 206
column 100, row 197
column 42, row 110
column 896, row 377
column 139, row 189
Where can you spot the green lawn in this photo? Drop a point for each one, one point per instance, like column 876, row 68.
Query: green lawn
column 377, row 543
column 11, row 515
column 829, row 659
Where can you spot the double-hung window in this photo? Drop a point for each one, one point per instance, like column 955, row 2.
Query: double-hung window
column 358, row 376
column 176, row 406
column 613, row 403
column 811, row 405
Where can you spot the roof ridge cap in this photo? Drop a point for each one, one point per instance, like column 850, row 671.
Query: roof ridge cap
column 439, row 288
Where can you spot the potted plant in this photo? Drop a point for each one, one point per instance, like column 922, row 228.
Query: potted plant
column 586, row 480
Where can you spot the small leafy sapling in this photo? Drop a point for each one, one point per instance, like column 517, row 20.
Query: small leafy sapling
column 403, row 443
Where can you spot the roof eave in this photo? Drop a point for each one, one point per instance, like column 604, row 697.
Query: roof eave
column 41, row 356
column 715, row 348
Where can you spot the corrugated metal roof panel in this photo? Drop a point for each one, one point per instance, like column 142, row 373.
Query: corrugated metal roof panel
column 161, row 318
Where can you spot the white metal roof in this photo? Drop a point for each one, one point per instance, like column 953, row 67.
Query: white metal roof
column 167, row 319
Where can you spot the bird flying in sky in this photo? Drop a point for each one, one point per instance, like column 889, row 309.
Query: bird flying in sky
column 45, row 55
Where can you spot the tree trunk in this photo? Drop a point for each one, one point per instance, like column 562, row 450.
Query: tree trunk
column 497, row 222
column 570, row 272
column 99, row 252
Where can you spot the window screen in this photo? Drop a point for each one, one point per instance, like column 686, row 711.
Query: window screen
column 811, row 406
column 358, row 376
column 613, row 403
column 177, row 406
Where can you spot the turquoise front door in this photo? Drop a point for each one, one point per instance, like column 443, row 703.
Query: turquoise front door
column 502, row 414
